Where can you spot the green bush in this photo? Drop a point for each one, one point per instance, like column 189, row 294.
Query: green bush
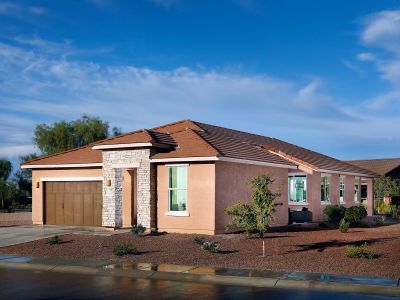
column 54, row 240
column 344, row 226
column 355, row 214
column 360, row 252
column 396, row 212
column 212, row 247
column 199, row 240
column 138, row 229
column 380, row 220
column 124, row 249
column 324, row 224
column 335, row 213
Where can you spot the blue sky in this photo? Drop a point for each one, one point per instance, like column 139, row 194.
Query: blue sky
column 321, row 74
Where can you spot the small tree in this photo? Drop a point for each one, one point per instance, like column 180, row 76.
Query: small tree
column 386, row 187
column 257, row 215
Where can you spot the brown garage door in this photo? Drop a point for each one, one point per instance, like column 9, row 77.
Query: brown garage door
column 73, row 203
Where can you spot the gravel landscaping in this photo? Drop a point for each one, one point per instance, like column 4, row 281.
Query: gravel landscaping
column 308, row 251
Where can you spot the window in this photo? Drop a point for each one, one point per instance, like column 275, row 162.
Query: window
column 341, row 189
column 356, row 184
column 177, row 189
column 297, row 189
column 325, row 188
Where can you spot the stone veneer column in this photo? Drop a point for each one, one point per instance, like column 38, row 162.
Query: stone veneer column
column 112, row 195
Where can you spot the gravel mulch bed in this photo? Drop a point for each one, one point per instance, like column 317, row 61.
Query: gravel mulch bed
column 307, row 251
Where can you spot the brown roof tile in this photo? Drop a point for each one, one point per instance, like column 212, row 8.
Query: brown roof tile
column 83, row 155
column 188, row 138
column 380, row 166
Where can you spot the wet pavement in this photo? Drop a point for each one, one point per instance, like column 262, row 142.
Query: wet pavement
column 27, row 284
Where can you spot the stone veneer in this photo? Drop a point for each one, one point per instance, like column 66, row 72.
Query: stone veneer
column 145, row 190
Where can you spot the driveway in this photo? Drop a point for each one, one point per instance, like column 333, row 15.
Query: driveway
column 23, row 234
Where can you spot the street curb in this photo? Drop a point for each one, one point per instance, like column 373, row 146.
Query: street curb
column 265, row 282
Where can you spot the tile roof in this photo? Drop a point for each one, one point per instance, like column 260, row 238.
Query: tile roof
column 380, row 166
column 188, row 138
column 82, row 155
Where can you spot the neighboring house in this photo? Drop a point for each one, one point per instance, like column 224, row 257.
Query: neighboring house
column 383, row 166
column 181, row 176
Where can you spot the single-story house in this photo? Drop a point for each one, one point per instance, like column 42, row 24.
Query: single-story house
column 389, row 167
column 181, row 176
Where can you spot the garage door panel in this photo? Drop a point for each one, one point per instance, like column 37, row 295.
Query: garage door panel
column 69, row 208
column 97, row 209
column 73, row 203
column 88, row 209
column 50, row 205
column 78, row 209
column 59, row 208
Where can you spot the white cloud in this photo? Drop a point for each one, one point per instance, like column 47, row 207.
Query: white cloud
column 19, row 11
column 38, row 86
column 382, row 30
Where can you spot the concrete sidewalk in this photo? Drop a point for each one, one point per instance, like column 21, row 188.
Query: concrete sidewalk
column 24, row 234
column 243, row 277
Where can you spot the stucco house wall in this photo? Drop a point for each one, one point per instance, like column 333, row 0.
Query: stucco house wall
column 231, row 187
column 200, row 200
column 37, row 192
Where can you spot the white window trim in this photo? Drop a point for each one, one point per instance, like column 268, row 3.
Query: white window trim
column 178, row 213
column 298, row 203
column 344, row 189
column 295, row 202
column 170, row 212
column 326, row 202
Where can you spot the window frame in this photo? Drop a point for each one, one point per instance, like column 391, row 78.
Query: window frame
column 357, row 196
column 180, row 213
column 323, row 200
column 342, row 199
column 293, row 177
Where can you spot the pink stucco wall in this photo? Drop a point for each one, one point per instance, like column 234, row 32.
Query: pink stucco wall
column 200, row 200
column 231, row 187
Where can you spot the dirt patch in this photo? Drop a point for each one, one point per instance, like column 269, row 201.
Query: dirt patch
column 15, row 219
column 309, row 251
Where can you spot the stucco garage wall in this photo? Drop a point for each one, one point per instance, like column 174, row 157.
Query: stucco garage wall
column 37, row 193
column 231, row 187
column 200, row 200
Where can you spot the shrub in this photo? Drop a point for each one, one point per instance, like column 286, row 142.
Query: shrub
column 380, row 220
column 124, row 249
column 212, row 247
column 257, row 215
column 324, row 224
column 54, row 240
column 360, row 252
column 199, row 240
column 395, row 212
column 138, row 229
column 355, row 214
column 344, row 226
column 335, row 213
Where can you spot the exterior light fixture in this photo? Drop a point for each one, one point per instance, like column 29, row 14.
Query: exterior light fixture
column 37, row 184
column 108, row 182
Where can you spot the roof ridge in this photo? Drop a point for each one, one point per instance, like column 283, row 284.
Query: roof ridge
column 55, row 154
column 203, row 140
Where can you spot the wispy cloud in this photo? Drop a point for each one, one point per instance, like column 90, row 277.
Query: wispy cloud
column 167, row 4
column 20, row 11
column 39, row 85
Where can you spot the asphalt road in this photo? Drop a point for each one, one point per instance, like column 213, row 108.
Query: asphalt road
column 22, row 284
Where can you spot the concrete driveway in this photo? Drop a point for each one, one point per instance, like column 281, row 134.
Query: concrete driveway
column 23, row 234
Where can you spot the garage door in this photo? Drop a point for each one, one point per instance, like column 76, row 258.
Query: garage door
column 73, row 203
